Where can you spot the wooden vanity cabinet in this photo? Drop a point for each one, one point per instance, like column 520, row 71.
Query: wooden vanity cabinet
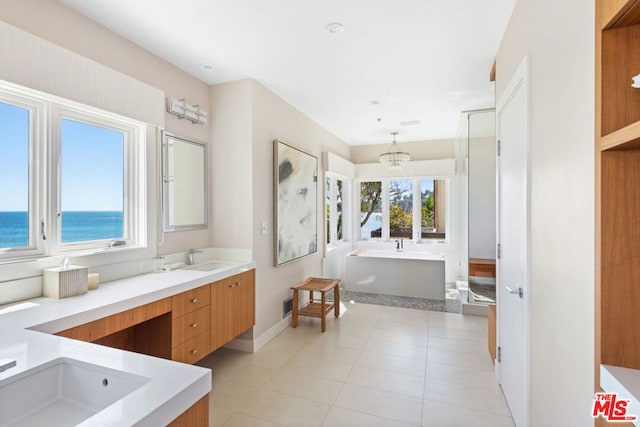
column 190, row 325
column 185, row 327
column 145, row 329
column 232, row 307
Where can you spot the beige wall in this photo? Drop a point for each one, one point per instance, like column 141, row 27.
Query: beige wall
column 561, row 72
column 60, row 25
column 232, row 165
column 273, row 118
column 247, row 118
column 419, row 150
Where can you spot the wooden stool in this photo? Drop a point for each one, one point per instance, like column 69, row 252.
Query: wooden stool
column 315, row 308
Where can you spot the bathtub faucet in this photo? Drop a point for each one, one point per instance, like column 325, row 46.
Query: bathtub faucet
column 399, row 244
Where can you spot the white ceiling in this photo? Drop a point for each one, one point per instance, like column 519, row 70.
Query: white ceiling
column 424, row 60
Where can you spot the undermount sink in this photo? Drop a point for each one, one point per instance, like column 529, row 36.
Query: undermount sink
column 63, row 392
column 209, row 266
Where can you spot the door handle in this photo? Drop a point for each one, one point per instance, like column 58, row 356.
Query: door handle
column 519, row 291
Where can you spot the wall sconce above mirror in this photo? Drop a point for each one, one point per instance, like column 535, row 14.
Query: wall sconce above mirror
column 184, row 183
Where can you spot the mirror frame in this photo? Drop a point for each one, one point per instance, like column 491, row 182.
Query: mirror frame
column 166, row 202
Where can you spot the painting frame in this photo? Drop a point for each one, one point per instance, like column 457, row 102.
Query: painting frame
column 295, row 203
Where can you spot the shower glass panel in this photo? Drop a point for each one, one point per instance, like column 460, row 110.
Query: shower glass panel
column 481, row 185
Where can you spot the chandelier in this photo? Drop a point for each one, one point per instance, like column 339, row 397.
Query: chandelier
column 394, row 158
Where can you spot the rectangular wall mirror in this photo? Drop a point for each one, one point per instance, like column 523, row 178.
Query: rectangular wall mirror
column 184, row 183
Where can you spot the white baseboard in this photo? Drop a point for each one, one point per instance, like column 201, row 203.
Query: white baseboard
column 475, row 309
column 251, row 346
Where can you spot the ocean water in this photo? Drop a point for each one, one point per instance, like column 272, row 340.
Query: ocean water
column 374, row 223
column 76, row 227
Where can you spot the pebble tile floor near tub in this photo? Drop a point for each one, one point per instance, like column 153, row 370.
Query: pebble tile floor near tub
column 376, row 366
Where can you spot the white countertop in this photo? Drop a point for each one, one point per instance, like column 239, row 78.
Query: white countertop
column 25, row 336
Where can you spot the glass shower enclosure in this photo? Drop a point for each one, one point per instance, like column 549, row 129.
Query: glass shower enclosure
column 476, row 170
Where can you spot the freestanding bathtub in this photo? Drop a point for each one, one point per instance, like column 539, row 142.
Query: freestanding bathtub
column 409, row 274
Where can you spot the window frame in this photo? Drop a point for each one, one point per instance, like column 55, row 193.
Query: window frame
column 45, row 174
column 37, row 170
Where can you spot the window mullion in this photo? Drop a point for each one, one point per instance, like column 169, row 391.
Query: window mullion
column 385, row 210
column 417, row 211
column 53, row 179
column 333, row 210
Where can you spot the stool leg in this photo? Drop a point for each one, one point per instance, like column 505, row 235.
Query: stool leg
column 324, row 313
column 294, row 309
column 336, row 301
column 310, row 296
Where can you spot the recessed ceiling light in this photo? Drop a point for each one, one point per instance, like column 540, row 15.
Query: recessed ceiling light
column 335, row 28
column 207, row 67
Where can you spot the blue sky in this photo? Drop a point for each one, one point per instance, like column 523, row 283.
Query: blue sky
column 92, row 175
column 14, row 162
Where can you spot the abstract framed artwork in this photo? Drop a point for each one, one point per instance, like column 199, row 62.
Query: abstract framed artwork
column 295, row 203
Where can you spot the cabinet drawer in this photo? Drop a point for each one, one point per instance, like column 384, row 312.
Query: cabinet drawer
column 190, row 325
column 192, row 350
column 190, row 301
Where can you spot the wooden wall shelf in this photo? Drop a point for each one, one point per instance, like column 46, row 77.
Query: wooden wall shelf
column 622, row 139
column 618, row 13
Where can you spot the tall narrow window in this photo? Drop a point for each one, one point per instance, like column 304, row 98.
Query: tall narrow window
column 339, row 208
column 14, row 177
column 92, row 175
column 401, row 209
column 370, row 210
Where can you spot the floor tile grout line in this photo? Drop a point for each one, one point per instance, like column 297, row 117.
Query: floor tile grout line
column 380, row 416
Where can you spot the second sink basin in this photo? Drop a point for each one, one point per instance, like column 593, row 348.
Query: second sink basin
column 64, row 392
column 209, row 266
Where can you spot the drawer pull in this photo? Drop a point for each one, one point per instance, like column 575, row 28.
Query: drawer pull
column 195, row 300
column 194, row 325
column 238, row 283
column 194, row 351
column 232, row 285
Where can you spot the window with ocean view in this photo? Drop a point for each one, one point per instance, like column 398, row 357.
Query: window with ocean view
column 14, row 176
column 73, row 177
column 92, row 172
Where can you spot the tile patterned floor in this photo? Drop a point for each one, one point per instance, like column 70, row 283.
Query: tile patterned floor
column 376, row 366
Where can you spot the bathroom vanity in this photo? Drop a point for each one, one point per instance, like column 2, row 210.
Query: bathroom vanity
column 174, row 315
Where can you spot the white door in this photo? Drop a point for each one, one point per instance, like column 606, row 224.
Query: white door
column 513, row 238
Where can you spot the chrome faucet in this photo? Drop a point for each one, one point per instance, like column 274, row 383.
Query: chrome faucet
column 6, row 364
column 190, row 254
column 399, row 244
